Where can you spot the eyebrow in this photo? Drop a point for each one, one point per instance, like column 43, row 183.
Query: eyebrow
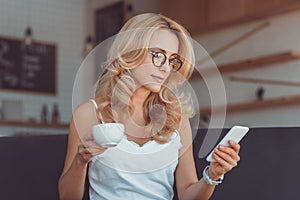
column 157, row 49
column 162, row 50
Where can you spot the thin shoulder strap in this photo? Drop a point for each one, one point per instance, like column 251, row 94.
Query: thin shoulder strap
column 96, row 107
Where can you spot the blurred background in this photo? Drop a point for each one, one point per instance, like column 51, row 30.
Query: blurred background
column 254, row 43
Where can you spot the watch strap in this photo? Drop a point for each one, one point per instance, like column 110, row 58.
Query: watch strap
column 208, row 180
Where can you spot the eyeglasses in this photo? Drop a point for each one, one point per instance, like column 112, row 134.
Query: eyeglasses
column 159, row 58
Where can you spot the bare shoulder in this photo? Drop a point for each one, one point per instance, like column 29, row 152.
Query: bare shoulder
column 84, row 117
column 87, row 109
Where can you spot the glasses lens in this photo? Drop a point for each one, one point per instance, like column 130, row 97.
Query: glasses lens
column 175, row 64
column 158, row 59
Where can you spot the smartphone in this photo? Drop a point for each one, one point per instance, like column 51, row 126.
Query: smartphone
column 236, row 133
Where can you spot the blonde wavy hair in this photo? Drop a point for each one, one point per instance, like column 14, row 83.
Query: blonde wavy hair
column 115, row 88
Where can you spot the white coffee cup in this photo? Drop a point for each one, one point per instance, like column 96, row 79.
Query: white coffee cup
column 108, row 134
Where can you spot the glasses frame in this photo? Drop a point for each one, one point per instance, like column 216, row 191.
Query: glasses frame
column 155, row 51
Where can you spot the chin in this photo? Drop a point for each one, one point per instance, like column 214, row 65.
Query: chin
column 154, row 87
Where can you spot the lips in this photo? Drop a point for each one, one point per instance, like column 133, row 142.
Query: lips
column 158, row 78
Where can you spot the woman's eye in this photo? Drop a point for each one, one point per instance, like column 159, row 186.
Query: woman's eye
column 157, row 54
column 174, row 61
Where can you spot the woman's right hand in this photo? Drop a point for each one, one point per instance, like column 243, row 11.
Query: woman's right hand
column 87, row 149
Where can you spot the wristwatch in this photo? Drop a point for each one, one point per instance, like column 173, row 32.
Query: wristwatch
column 208, row 180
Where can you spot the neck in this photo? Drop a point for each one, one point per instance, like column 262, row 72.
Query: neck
column 139, row 96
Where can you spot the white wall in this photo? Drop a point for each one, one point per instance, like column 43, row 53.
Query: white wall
column 282, row 35
column 66, row 23
column 56, row 21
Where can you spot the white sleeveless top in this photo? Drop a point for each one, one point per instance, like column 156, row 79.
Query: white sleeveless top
column 129, row 171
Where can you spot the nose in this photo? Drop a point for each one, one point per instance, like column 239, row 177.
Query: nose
column 166, row 66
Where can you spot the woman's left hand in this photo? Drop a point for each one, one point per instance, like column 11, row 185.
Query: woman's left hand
column 226, row 159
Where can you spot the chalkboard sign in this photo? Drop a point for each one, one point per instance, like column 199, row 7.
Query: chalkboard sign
column 29, row 68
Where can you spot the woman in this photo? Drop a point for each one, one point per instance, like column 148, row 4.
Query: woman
column 147, row 62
